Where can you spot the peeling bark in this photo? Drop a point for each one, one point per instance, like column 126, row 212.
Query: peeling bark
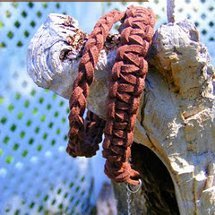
column 176, row 117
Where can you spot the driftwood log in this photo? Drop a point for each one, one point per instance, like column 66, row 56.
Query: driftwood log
column 176, row 121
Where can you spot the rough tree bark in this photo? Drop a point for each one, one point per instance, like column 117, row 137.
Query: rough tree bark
column 175, row 127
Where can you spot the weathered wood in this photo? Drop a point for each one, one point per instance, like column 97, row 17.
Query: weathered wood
column 106, row 203
column 176, row 118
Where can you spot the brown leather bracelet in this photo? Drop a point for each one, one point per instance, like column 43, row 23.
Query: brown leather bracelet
column 126, row 87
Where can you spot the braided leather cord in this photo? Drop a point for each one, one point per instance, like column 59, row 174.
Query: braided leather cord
column 81, row 133
column 94, row 130
column 126, row 87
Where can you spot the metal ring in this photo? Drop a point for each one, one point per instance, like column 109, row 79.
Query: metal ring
column 128, row 186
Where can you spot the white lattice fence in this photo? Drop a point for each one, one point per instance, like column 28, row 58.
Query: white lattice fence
column 36, row 174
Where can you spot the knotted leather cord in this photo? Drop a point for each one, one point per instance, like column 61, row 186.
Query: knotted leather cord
column 126, row 86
